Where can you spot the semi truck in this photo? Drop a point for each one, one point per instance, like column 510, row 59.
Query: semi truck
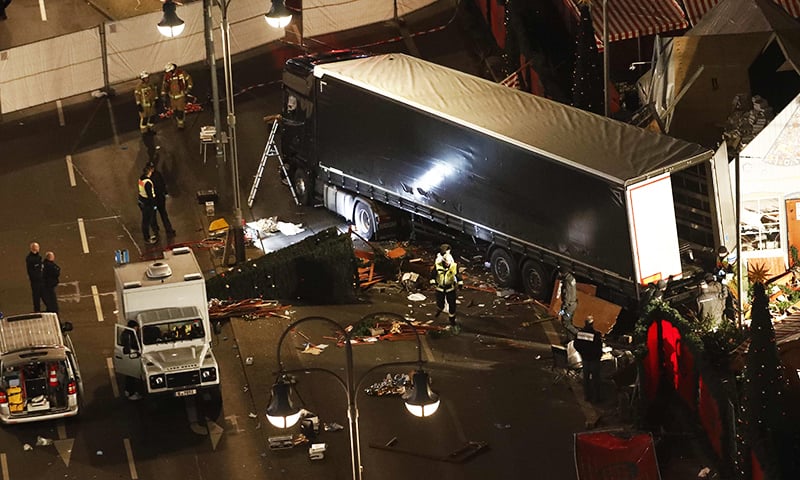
column 163, row 333
column 545, row 186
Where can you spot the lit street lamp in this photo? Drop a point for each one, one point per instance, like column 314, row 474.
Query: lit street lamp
column 278, row 16
column 171, row 28
column 419, row 398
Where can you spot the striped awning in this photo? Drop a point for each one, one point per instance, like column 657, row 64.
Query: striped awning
column 697, row 8
column 634, row 18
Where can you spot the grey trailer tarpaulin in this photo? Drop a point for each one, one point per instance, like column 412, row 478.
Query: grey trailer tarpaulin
column 615, row 455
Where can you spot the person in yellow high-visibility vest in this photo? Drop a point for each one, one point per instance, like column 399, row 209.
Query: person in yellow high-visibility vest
column 446, row 279
column 146, row 94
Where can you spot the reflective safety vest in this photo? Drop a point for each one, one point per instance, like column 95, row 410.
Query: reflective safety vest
column 176, row 84
column 143, row 189
column 446, row 276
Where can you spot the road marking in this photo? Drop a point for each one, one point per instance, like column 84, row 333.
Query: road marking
column 42, row 10
column 113, row 375
column 60, row 110
column 426, row 348
column 97, row 309
column 4, row 465
column 129, row 453
column 84, row 241
column 71, row 171
column 62, row 430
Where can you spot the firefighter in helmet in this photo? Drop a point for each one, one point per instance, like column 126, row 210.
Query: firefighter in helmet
column 176, row 87
column 145, row 94
column 445, row 278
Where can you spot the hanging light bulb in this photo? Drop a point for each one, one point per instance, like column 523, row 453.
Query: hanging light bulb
column 278, row 16
column 170, row 25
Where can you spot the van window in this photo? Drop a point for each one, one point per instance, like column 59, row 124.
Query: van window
column 173, row 331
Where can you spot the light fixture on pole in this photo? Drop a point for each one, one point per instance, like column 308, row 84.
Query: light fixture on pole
column 420, row 400
column 170, row 25
column 278, row 16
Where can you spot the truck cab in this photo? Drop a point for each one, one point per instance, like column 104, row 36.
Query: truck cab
column 163, row 332
column 39, row 374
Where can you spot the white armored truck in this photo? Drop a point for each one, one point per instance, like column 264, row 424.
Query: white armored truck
column 39, row 374
column 163, row 333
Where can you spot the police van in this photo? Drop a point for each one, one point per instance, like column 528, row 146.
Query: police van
column 39, row 374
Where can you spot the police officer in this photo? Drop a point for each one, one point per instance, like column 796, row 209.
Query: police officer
column 160, row 191
column 145, row 95
column 33, row 262
column 446, row 279
column 50, row 276
column 589, row 344
column 147, row 204
column 176, row 87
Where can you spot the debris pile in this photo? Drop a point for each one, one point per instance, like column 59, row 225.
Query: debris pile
column 390, row 385
column 249, row 309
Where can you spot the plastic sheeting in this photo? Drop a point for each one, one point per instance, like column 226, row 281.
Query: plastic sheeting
column 72, row 64
column 615, row 454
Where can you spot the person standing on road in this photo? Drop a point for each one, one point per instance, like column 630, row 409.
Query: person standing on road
column 51, row 273
column 176, row 87
column 569, row 303
column 160, row 191
column 446, row 279
column 147, row 204
column 3, row 5
column 146, row 94
column 589, row 343
column 35, row 267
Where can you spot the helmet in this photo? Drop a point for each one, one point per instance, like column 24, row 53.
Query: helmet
column 169, row 67
column 144, row 74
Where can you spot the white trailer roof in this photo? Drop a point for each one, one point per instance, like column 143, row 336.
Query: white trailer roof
column 619, row 152
column 21, row 332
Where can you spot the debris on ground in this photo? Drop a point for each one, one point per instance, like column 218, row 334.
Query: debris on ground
column 390, row 385
column 42, row 441
column 265, row 227
column 249, row 309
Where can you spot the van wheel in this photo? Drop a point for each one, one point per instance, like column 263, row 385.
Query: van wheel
column 302, row 186
column 504, row 268
column 364, row 219
column 535, row 280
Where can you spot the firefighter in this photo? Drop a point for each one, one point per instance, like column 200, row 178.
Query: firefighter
column 569, row 303
column 145, row 94
column 147, row 204
column 446, row 279
column 176, row 87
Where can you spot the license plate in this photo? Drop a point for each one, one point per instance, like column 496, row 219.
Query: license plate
column 186, row 393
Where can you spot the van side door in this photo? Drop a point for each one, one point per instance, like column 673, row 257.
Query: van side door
column 127, row 353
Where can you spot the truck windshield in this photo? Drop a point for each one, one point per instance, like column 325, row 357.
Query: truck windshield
column 172, row 331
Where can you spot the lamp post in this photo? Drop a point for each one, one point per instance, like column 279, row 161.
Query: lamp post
column 419, row 399
column 169, row 12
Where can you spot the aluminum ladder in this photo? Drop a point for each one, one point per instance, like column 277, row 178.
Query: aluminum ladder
column 271, row 150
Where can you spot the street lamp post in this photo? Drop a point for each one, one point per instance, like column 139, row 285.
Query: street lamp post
column 419, row 399
column 170, row 27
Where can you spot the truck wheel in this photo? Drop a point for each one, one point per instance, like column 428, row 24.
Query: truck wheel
column 302, row 186
column 364, row 219
column 504, row 268
column 535, row 280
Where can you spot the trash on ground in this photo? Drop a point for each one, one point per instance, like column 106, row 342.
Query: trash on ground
column 42, row 441
column 390, row 385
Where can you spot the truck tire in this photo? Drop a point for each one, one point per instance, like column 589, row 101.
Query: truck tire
column 504, row 268
column 535, row 280
column 302, row 187
column 364, row 219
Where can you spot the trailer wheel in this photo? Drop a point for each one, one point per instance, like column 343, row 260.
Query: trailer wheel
column 535, row 280
column 302, row 186
column 504, row 268
column 364, row 219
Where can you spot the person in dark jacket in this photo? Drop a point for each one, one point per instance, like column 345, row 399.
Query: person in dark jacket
column 569, row 303
column 147, row 204
column 160, row 192
column 51, row 273
column 589, row 343
column 33, row 262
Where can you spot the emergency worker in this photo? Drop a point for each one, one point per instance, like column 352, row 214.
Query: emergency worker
column 589, row 343
column 146, row 94
column 176, row 87
column 51, row 273
column 33, row 262
column 446, row 279
column 569, row 303
column 711, row 301
column 160, row 192
column 147, row 204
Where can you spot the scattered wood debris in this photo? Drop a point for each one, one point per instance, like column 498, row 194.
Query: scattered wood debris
column 249, row 309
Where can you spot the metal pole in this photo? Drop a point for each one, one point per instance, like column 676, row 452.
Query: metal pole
column 739, row 261
column 211, row 58
column 352, row 412
column 605, row 57
column 236, row 228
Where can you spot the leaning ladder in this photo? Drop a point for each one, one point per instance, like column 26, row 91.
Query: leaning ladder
column 271, row 150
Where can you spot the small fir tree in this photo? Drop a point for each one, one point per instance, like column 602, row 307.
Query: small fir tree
column 587, row 78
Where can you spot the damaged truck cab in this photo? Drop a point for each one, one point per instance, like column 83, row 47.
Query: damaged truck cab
column 163, row 333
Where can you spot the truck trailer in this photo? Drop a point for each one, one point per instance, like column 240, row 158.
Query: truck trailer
column 543, row 184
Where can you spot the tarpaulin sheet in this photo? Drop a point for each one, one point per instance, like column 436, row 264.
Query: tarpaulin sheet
column 615, row 455
column 633, row 18
column 326, row 16
column 696, row 9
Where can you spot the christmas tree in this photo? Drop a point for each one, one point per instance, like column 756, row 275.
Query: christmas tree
column 587, row 79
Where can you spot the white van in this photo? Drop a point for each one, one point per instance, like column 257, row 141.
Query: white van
column 39, row 374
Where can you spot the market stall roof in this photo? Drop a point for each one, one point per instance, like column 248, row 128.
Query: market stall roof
column 697, row 9
column 614, row 150
column 633, row 18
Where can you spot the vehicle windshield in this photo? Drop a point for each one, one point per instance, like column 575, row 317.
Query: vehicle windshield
column 172, row 331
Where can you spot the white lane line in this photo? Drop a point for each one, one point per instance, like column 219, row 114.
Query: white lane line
column 62, row 430
column 60, row 109
column 113, row 376
column 129, row 453
column 70, row 171
column 84, row 241
column 42, row 10
column 97, row 309
column 4, row 465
